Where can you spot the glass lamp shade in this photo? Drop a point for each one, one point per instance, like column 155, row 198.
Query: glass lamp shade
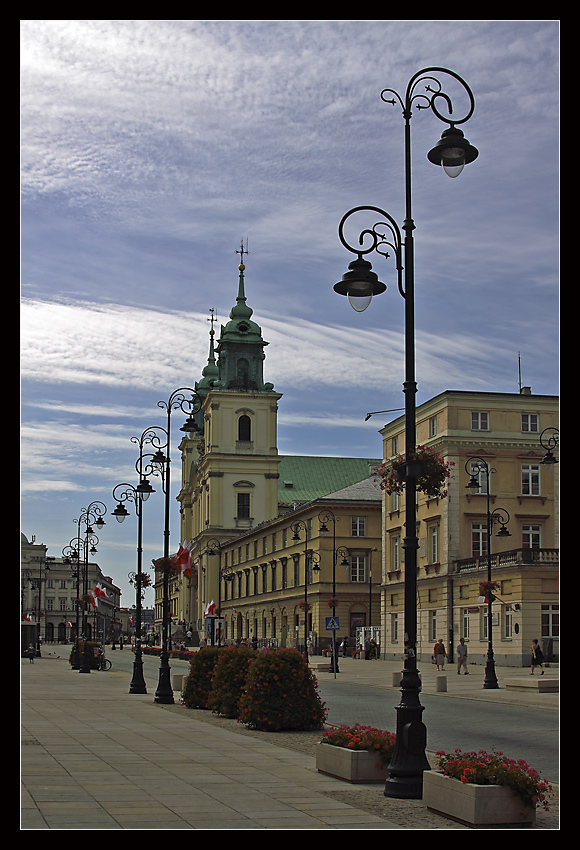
column 452, row 152
column 359, row 284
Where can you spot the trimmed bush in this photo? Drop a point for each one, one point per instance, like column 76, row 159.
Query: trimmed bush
column 281, row 693
column 229, row 679
column 198, row 683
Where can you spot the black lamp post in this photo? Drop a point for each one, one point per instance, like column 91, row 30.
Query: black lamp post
column 92, row 515
column 311, row 560
column 71, row 556
column 123, row 493
column 360, row 283
column 214, row 548
column 178, row 399
column 475, row 467
column 324, row 517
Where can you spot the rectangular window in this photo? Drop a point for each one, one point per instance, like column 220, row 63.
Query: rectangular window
column 243, row 505
column 478, row 539
column 358, row 568
column 395, row 554
column 433, row 536
column 507, row 622
column 464, row 623
column 394, row 628
column 433, row 426
column 530, row 479
column 479, row 420
column 358, row 526
column 530, row 423
column 551, row 621
column 395, row 445
column 433, row 625
column 531, row 537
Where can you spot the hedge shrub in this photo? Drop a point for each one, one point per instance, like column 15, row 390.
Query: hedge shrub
column 229, row 679
column 198, row 683
column 281, row 693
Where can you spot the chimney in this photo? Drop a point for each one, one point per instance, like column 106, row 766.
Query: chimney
column 525, row 391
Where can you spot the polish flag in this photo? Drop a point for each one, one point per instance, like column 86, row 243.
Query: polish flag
column 210, row 609
column 99, row 591
column 184, row 558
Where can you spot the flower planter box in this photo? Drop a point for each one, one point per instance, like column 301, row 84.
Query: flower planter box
column 474, row 805
column 351, row 765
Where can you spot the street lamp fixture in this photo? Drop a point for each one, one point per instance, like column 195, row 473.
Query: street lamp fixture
column 360, row 284
column 475, row 467
column 549, row 440
column 188, row 401
column 311, row 563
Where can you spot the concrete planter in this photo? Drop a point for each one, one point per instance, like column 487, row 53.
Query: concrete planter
column 474, row 805
column 351, row 765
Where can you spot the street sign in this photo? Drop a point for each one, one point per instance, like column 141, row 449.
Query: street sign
column 332, row 624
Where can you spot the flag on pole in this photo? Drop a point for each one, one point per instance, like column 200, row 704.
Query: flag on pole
column 210, row 609
column 184, row 558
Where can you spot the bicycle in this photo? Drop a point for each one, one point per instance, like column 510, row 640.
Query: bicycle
column 104, row 664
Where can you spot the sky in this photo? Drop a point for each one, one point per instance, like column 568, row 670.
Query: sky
column 150, row 149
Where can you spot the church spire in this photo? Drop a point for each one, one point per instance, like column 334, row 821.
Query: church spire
column 241, row 310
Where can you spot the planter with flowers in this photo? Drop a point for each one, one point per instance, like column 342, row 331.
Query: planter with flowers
column 425, row 465
column 333, row 602
column 355, row 753
column 484, row 789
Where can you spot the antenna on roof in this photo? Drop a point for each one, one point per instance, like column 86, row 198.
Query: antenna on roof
column 519, row 374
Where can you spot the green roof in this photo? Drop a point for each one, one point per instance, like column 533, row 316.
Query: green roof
column 303, row 479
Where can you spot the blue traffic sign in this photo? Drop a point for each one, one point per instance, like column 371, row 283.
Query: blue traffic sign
column 332, row 624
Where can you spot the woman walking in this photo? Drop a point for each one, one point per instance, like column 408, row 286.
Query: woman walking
column 537, row 657
column 439, row 654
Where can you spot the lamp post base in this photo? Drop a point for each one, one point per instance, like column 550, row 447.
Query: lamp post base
column 138, row 685
column 408, row 761
column 164, row 692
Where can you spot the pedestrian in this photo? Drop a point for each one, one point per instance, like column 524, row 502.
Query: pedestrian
column 462, row 657
column 367, row 649
column 537, row 657
column 31, row 652
column 439, row 654
column 344, row 646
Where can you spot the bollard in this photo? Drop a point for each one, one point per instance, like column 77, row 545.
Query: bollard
column 441, row 684
column 177, row 681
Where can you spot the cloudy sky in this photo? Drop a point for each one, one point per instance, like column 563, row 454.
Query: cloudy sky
column 150, row 149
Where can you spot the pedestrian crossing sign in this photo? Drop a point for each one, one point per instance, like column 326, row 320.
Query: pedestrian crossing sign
column 332, row 624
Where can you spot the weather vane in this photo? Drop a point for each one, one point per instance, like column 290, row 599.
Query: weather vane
column 212, row 319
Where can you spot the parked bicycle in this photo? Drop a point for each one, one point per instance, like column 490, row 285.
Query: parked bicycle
column 102, row 662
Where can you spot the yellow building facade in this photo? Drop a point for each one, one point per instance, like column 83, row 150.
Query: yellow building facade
column 502, row 430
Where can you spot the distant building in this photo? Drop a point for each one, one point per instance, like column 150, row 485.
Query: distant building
column 52, row 597
column 504, row 430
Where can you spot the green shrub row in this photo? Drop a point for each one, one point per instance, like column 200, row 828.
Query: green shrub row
column 271, row 690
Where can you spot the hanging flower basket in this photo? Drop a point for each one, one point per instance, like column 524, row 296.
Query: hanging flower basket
column 487, row 587
column 333, row 602
column 305, row 606
column 432, row 472
column 169, row 565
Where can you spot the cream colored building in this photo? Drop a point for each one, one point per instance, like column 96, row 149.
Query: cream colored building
column 238, row 498
column 502, row 429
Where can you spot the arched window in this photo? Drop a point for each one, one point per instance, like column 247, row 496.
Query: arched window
column 244, row 429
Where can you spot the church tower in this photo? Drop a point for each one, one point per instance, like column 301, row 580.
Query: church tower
column 230, row 463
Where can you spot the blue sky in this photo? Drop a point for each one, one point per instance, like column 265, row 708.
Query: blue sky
column 149, row 149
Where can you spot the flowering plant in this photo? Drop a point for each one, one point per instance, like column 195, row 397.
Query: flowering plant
column 171, row 564
column 304, row 606
column 434, row 471
column 483, row 768
column 359, row 737
column 333, row 602
column 486, row 587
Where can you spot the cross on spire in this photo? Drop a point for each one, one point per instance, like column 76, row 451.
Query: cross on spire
column 243, row 251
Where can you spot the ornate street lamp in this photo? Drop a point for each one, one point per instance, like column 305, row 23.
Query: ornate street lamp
column 189, row 403
column 549, row 440
column 324, row 517
column 92, row 515
column 311, row 564
column 475, row 467
column 359, row 284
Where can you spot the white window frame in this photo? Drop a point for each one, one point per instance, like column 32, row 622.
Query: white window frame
column 530, row 423
column 358, row 526
column 530, row 479
column 479, row 420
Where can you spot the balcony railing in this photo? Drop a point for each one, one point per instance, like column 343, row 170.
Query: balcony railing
column 515, row 557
